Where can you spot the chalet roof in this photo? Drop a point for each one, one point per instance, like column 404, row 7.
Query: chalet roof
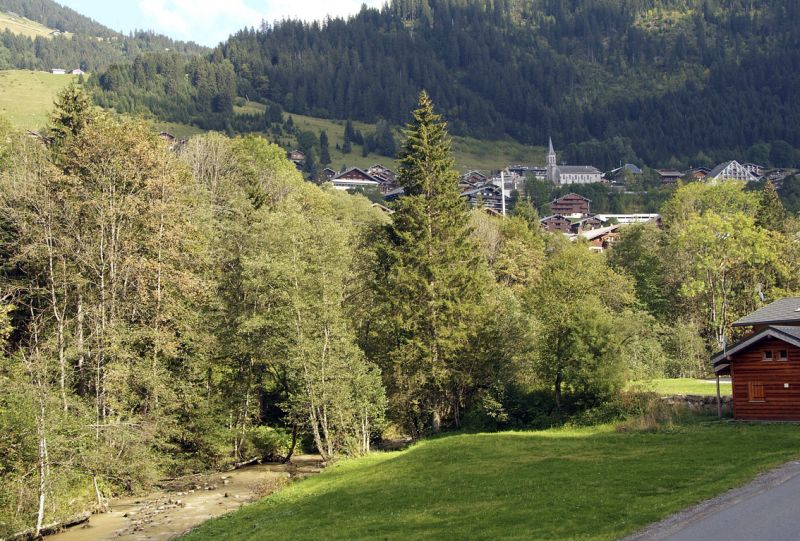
column 578, row 169
column 720, row 168
column 553, row 217
column 359, row 172
column 781, row 311
column 479, row 189
column 594, row 233
column 669, row 173
column 786, row 333
column 571, row 194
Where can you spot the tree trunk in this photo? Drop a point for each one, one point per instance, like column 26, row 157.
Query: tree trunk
column 559, row 377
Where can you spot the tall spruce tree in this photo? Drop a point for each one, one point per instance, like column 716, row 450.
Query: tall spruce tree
column 432, row 282
column 772, row 214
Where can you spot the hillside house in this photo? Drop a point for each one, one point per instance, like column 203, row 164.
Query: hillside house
column 586, row 224
column 328, row 173
column 699, row 173
column 296, row 156
column 571, row 204
column 528, row 171
column 487, row 196
column 556, row 222
column 600, row 239
column 669, row 176
column 731, row 170
column 354, row 178
column 385, row 176
column 754, row 169
column 570, row 174
column 58, row 71
column 472, row 179
column 78, row 71
column 765, row 365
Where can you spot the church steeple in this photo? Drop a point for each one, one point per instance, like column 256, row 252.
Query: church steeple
column 551, row 155
column 552, row 168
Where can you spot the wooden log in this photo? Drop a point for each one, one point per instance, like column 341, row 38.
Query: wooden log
column 49, row 529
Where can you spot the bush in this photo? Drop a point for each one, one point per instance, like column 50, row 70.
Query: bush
column 271, row 443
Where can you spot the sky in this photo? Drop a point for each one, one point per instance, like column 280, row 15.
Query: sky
column 207, row 21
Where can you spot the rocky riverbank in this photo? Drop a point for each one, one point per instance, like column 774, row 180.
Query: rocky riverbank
column 184, row 503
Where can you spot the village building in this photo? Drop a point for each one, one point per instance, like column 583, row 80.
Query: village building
column 630, row 218
column 385, row 176
column 472, row 179
column 754, row 169
column 669, row 176
column 618, row 175
column 765, row 365
column 78, row 71
column 487, row 196
column 572, row 204
column 556, row 222
column 296, row 156
column 328, row 173
column 528, row 171
column 570, row 174
column 698, row 173
column 600, row 239
column 731, row 170
column 58, row 71
column 586, row 224
column 354, row 178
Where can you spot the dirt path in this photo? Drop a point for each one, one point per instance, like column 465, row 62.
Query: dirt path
column 187, row 502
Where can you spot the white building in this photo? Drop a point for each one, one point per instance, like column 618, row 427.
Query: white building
column 731, row 170
column 58, row 71
column 570, row 174
column 629, row 218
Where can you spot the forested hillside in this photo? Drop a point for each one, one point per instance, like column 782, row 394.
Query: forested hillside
column 89, row 45
column 664, row 81
column 671, row 77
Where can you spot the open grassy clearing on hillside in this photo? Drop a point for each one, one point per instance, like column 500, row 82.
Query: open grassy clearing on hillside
column 469, row 153
column 589, row 483
column 20, row 25
column 673, row 386
column 26, row 97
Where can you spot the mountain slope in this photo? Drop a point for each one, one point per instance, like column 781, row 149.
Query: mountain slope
column 682, row 77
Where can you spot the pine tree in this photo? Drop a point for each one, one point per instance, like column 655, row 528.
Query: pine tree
column 772, row 214
column 324, row 152
column 73, row 110
column 432, row 282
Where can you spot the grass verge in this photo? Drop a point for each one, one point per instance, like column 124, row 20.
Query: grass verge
column 674, row 386
column 588, row 483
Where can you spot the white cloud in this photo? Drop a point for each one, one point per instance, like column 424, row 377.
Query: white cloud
column 211, row 21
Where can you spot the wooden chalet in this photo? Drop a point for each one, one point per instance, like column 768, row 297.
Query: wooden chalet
column 328, row 173
column 765, row 365
column 571, row 204
column 601, row 239
column 556, row 222
column 586, row 224
column 699, row 173
column 385, row 176
column 486, row 196
column 296, row 156
column 354, row 178
column 669, row 176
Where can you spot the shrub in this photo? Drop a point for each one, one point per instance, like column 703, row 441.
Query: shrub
column 271, row 443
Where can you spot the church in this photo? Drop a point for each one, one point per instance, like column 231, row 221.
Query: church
column 570, row 174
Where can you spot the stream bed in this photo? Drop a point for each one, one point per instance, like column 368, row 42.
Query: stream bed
column 185, row 503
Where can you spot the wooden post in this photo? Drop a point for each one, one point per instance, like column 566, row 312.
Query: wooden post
column 719, row 400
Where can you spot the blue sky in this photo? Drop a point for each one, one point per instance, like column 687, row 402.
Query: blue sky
column 206, row 21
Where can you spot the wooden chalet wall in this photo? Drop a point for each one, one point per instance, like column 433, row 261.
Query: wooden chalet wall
column 759, row 391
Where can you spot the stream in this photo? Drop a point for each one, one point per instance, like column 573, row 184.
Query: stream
column 184, row 503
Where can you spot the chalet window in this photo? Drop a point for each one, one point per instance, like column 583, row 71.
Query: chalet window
column 755, row 391
column 768, row 355
column 783, row 355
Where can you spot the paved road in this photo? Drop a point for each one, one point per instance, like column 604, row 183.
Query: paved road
column 768, row 509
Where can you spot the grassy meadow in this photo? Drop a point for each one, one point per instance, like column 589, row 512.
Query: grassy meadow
column 20, row 25
column 469, row 153
column 26, row 97
column 674, row 386
column 564, row 484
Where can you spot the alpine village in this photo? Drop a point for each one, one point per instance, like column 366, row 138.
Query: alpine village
column 414, row 269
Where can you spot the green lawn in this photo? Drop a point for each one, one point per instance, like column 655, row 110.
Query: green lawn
column 590, row 483
column 668, row 387
column 26, row 97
